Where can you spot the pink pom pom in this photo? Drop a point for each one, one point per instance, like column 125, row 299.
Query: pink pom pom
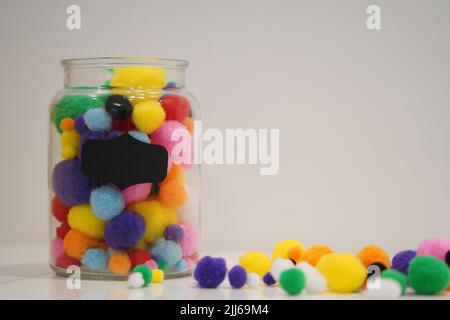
column 436, row 247
column 190, row 240
column 163, row 135
column 151, row 264
column 56, row 249
column 136, row 193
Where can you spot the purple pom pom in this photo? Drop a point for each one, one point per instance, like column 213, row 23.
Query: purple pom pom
column 401, row 260
column 268, row 279
column 210, row 272
column 237, row 277
column 70, row 185
column 125, row 230
column 80, row 125
column 174, row 232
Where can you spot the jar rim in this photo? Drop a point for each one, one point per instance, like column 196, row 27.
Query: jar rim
column 123, row 61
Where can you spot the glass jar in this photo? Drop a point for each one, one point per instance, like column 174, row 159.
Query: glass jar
column 124, row 189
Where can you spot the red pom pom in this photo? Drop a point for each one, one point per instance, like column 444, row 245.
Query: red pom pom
column 138, row 257
column 125, row 125
column 62, row 230
column 59, row 209
column 176, row 107
column 64, row 261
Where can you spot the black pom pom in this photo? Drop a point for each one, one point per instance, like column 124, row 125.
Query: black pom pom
column 447, row 258
column 119, row 107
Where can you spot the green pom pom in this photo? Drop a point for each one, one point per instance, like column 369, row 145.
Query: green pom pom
column 163, row 266
column 72, row 105
column 146, row 272
column 397, row 276
column 292, row 280
column 428, row 275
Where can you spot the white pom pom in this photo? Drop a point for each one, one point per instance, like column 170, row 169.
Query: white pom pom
column 253, row 280
column 278, row 266
column 315, row 283
column 135, row 280
column 307, row 268
column 388, row 290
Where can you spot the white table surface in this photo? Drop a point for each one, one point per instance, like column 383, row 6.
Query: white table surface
column 25, row 274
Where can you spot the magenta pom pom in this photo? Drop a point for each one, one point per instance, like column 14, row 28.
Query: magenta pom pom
column 435, row 247
column 163, row 135
column 189, row 243
column 210, row 272
column 136, row 193
column 56, row 249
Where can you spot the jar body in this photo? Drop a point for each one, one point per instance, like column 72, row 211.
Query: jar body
column 124, row 190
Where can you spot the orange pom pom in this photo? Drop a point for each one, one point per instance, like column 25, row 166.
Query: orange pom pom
column 76, row 243
column 189, row 124
column 313, row 254
column 176, row 173
column 67, row 124
column 372, row 254
column 119, row 263
column 172, row 194
column 296, row 253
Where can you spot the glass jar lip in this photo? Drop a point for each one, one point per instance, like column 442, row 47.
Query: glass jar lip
column 123, row 61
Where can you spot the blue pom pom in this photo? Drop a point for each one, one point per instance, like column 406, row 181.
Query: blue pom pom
column 401, row 260
column 174, row 232
column 98, row 119
column 237, row 277
column 139, row 136
column 166, row 251
column 95, row 259
column 181, row 266
column 125, row 230
column 268, row 279
column 210, row 272
column 107, row 202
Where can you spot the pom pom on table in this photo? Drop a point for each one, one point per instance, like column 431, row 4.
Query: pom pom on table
column 98, row 120
column 83, row 219
column 372, row 254
column 397, row 276
column 210, row 272
column 138, row 257
column 343, row 272
column 237, row 277
column 167, row 251
column 282, row 248
column 136, row 280
column 145, row 272
column 119, row 263
column 118, row 107
column 158, row 276
column 172, row 194
column 176, row 107
column 148, row 116
column 428, row 275
column 315, row 283
column 402, row 259
column 435, row 247
column 268, row 279
column 95, row 259
column 279, row 265
column 388, row 290
column 174, row 232
column 106, row 202
column 125, row 230
column 69, row 183
column 296, row 253
column 292, row 281
column 136, row 193
column 76, row 243
column 59, row 209
column 256, row 262
column 253, row 280
column 313, row 254
column 56, row 249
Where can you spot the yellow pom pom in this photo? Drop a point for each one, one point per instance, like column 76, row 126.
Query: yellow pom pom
column 70, row 138
column 68, row 153
column 281, row 249
column 83, row 219
column 256, row 262
column 158, row 276
column 148, row 116
column 343, row 272
column 139, row 77
column 157, row 218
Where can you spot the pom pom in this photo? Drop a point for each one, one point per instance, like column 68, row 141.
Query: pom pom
column 237, row 277
column 256, row 262
column 62, row 230
column 278, row 266
column 158, row 276
column 181, row 266
column 59, row 209
column 118, row 107
column 83, row 219
column 176, row 107
column 80, row 125
column 307, row 268
column 70, row 142
column 313, row 254
column 372, row 254
column 136, row 193
column 388, row 290
column 124, row 231
column 106, row 202
column 151, row 264
column 435, row 247
column 98, row 120
column 135, row 280
column 174, row 232
column 119, row 263
column 146, row 273
column 95, row 259
column 123, row 126
column 163, row 135
column 292, row 281
column 67, row 124
column 428, row 275
column 172, row 194
column 56, row 249
column 148, row 116
column 253, row 280
column 138, row 257
column 163, row 266
column 268, row 279
column 189, row 124
column 139, row 77
column 176, row 173
column 76, row 243
column 189, row 243
column 65, row 261
column 397, row 276
column 447, row 258
column 167, row 251
column 343, row 272
column 70, row 185
column 315, row 283
column 282, row 248
column 157, row 218
column 296, row 253
column 139, row 136
column 210, row 272
column 402, row 259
